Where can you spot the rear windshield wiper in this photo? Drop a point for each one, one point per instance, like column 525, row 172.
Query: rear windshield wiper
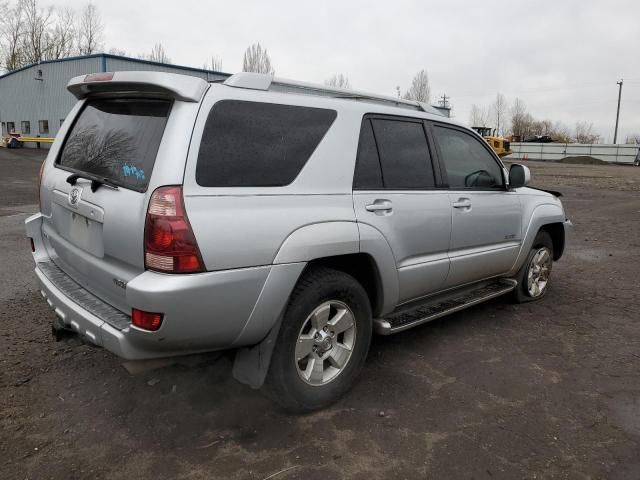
column 96, row 182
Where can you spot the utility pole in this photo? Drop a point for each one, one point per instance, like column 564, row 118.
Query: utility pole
column 443, row 104
column 615, row 133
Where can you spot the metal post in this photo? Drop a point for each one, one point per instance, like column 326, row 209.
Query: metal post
column 615, row 133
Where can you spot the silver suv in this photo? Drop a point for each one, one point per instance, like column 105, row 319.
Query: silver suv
column 284, row 220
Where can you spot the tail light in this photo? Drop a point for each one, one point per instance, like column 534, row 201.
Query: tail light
column 146, row 320
column 169, row 243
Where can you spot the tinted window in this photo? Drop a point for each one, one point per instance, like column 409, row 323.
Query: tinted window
column 404, row 154
column 368, row 174
column 467, row 161
column 117, row 139
column 258, row 144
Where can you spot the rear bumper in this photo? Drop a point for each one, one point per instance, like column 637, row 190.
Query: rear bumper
column 202, row 312
column 89, row 326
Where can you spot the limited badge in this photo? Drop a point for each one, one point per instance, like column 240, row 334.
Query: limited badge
column 74, row 196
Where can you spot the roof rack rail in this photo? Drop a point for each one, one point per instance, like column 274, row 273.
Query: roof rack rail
column 266, row 82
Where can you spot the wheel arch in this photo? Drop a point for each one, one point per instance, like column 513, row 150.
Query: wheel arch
column 556, row 232
column 544, row 216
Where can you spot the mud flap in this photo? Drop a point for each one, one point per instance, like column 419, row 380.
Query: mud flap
column 251, row 364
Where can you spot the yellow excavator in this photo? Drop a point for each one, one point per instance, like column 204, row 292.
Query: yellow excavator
column 499, row 144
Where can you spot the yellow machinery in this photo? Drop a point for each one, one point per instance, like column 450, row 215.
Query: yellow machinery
column 500, row 145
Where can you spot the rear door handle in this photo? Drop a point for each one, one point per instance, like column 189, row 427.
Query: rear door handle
column 462, row 203
column 379, row 206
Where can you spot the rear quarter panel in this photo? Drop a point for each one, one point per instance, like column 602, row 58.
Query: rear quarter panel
column 247, row 226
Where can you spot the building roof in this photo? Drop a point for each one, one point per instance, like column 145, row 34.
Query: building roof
column 104, row 56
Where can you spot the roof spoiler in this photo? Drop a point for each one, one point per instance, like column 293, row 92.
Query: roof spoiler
column 180, row 87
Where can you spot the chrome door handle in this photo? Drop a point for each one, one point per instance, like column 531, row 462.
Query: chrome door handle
column 379, row 206
column 462, row 203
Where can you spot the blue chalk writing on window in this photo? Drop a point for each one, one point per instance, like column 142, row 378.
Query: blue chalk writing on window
column 132, row 170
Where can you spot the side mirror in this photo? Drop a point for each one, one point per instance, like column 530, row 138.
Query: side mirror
column 519, row 176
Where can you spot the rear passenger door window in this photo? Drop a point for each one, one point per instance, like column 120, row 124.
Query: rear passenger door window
column 393, row 154
column 404, row 154
column 466, row 160
column 252, row 144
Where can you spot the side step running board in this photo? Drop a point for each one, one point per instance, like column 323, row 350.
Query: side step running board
column 430, row 310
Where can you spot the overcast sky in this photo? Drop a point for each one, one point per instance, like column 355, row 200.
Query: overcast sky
column 562, row 58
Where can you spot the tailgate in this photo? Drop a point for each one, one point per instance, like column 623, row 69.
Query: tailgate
column 96, row 187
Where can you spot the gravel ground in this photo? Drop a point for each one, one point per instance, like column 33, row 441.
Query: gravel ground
column 543, row 390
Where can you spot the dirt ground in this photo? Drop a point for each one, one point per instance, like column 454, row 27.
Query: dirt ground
column 544, row 390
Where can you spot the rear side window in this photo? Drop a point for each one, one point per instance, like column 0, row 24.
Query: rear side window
column 404, row 154
column 252, row 144
column 117, row 139
column 467, row 161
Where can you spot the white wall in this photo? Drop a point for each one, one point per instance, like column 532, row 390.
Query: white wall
column 557, row 151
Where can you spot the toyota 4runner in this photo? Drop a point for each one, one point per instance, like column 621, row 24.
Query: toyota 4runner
column 286, row 221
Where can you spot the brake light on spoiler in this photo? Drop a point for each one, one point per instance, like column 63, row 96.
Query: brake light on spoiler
column 169, row 243
column 99, row 77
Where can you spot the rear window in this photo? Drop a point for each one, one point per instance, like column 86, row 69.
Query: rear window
column 117, row 139
column 252, row 144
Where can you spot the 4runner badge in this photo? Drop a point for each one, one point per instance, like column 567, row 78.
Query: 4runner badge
column 74, row 196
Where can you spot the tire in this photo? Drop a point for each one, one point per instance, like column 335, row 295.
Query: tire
column 533, row 278
column 310, row 368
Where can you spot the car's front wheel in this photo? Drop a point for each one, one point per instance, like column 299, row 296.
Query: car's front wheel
column 323, row 341
column 533, row 277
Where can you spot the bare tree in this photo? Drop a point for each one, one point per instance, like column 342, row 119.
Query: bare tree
column 90, row 31
column 158, row 54
column 63, row 35
column 585, row 133
column 11, row 36
column 420, row 90
column 339, row 80
column 117, row 51
column 214, row 65
column 479, row 116
column 633, row 138
column 38, row 22
column 560, row 133
column 499, row 112
column 256, row 59
column 521, row 120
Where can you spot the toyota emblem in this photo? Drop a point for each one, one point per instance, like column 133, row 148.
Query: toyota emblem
column 74, row 196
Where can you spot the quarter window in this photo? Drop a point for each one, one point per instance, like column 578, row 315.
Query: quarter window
column 368, row 175
column 258, row 144
column 404, row 154
column 467, row 162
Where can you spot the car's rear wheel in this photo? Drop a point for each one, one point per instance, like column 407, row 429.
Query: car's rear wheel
column 533, row 277
column 323, row 341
